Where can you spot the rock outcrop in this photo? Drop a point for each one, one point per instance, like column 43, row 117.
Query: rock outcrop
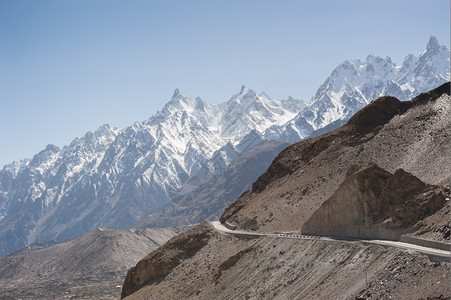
column 372, row 203
column 377, row 113
column 159, row 263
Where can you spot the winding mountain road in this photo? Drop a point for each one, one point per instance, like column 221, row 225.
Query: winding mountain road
column 411, row 247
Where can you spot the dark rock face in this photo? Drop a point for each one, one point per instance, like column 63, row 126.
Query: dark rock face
column 159, row 263
column 372, row 203
column 432, row 94
column 381, row 110
column 377, row 113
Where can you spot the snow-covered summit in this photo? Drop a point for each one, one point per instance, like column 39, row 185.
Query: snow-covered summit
column 354, row 83
column 247, row 111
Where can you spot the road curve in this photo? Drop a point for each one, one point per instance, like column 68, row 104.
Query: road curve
column 425, row 250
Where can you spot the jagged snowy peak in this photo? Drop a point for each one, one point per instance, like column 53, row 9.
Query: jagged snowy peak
column 435, row 54
column 8, row 174
column 16, row 167
column 88, row 150
column 39, row 184
column 200, row 137
column 247, row 111
column 114, row 177
column 355, row 83
column 181, row 102
column 431, row 68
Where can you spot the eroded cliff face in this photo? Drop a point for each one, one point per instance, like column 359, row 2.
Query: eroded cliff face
column 373, row 203
column 159, row 263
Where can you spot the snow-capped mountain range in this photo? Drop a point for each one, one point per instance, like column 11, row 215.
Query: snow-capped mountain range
column 113, row 177
column 354, row 83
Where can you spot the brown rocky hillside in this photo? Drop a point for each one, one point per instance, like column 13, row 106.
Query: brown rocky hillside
column 412, row 135
column 220, row 266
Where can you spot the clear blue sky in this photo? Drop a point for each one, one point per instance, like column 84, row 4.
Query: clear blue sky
column 67, row 67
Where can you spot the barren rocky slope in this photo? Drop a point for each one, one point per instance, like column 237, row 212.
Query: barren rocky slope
column 92, row 265
column 435, row 227
column 205, row 264
column 412, row 135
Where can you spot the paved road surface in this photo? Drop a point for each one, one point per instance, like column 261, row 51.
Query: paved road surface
column 426, row 250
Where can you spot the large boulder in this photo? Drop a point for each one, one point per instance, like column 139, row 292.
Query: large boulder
column 373, row 203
